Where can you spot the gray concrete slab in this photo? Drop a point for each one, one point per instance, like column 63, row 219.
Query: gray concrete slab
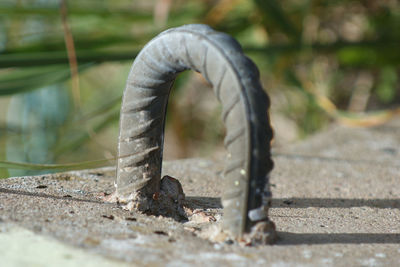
column 336, row 203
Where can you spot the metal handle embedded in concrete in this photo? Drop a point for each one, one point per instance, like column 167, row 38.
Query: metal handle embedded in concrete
column 235, row 79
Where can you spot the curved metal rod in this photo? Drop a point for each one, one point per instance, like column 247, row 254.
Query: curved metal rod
column 236, row 83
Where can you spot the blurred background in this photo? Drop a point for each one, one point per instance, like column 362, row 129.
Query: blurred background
column 64, row 63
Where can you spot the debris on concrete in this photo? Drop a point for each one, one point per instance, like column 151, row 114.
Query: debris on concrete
column 336, row 201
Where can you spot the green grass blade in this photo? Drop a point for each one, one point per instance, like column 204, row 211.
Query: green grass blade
column 129, row 14
column 51, row 44
column 26, row 79
column 61, row 57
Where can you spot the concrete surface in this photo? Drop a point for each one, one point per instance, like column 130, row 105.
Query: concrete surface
column 336, row 203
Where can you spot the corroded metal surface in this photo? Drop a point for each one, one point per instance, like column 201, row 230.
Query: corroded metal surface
column 235, row 79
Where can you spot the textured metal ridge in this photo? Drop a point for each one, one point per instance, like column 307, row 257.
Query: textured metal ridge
column 236, row 83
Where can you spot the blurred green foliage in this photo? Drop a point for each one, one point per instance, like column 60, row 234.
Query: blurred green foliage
column 310, row 54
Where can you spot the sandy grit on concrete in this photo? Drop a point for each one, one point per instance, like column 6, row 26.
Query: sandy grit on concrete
column 336, row 203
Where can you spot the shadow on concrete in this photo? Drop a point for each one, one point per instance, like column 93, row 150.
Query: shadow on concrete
column 215, row 202
column 305, row 157
column 334, row 203
column 286, row 238
column 203, row 202
column 43, row 195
